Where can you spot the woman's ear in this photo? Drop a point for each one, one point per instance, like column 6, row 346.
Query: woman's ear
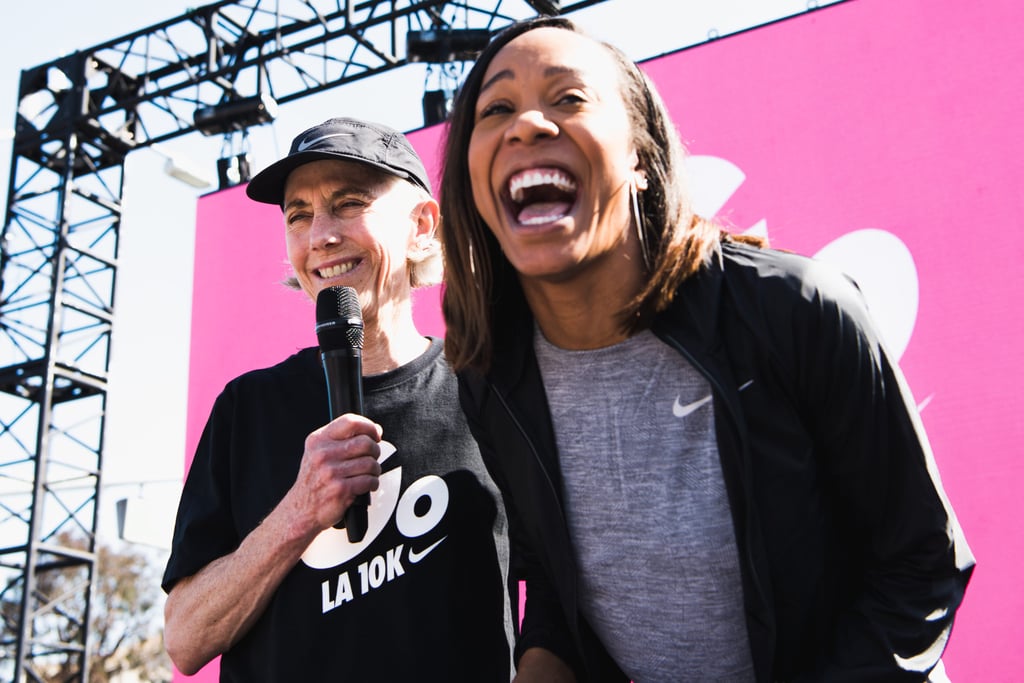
column 427, row 215
column 639, row 174
column 640, row 180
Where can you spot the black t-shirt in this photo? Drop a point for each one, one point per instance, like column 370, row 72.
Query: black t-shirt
column 422, row 597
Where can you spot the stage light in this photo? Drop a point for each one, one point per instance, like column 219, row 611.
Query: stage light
column 235, row 115
column 549, row 8
column 436, row 107
column 186, row 174
column 438, row 46
column 182, row 169
column 233, row 170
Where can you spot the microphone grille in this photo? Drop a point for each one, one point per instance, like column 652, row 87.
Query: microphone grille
column 339, row 319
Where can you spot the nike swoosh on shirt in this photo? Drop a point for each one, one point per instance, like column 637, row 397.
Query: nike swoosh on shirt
column 415, row 557
column 680, row 410
column 306, row 144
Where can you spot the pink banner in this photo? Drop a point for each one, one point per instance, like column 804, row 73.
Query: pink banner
column 887, row 136
column 883, row 136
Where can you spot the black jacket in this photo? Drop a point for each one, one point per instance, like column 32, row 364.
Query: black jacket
column 852, row 561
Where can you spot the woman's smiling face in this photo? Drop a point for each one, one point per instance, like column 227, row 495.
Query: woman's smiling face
column 551, row 155
column 349, row 224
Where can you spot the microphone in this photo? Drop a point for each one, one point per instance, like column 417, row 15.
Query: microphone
column 339, row 331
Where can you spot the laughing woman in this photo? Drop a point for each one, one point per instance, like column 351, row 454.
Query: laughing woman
column 713, row 468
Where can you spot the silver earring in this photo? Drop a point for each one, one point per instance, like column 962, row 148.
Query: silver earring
column 638, row 219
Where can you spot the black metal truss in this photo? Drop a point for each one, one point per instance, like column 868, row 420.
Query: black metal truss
column 78, row 118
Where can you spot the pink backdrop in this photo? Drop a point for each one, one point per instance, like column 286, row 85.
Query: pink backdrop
column 885, row 136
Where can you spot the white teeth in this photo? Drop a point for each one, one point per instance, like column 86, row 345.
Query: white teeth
column 541, row 220
column 335, row 271
column 527, row 179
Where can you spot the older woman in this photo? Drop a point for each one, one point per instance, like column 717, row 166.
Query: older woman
column 712, row 467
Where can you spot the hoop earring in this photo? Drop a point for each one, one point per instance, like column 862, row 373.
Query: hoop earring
column 638, row 220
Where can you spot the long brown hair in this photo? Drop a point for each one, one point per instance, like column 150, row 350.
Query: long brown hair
column 478, row 276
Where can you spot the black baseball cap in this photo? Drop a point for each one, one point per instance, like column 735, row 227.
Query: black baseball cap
column 348, row 140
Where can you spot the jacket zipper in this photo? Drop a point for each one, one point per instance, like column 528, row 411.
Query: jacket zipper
column 743, row 442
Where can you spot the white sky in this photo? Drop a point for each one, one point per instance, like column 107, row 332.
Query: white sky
column 145, row 429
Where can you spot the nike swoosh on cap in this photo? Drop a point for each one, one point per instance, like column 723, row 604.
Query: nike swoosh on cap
column 306, row 144
column 415, row 557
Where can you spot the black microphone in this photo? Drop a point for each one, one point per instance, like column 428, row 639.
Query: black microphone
column 339, row 331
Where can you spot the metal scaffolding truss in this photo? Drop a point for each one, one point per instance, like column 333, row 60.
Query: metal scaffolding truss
column 78, row 118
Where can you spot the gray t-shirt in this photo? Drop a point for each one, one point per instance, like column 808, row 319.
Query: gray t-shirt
column 647, row 510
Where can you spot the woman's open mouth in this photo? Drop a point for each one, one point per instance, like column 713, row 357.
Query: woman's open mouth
column 543, row 195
